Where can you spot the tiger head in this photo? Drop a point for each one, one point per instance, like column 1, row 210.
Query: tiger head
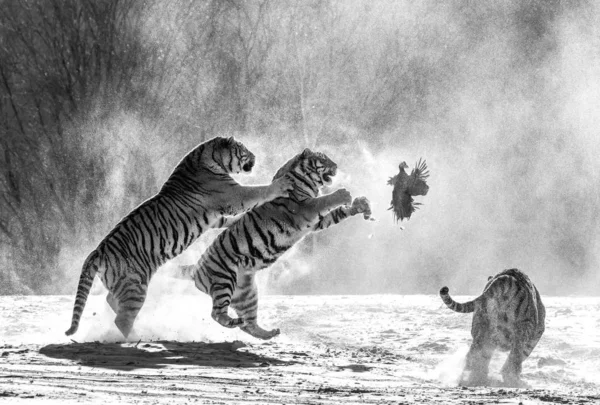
column 311, row 171
column 232, row 156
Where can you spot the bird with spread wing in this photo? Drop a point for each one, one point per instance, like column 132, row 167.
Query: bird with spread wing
column 405, row 187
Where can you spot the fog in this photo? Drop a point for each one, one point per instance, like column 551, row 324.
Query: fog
column 509, row 135
column 500, row 99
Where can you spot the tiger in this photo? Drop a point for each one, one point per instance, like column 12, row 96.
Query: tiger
column 509, row 315
column 199, row 194
column 226, row 270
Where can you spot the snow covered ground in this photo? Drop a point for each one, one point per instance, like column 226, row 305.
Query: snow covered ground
column 333, row 349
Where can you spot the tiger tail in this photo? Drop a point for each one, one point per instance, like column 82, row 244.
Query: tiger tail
column 89, row 270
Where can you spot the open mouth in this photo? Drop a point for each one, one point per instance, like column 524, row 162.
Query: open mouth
column 328, row 175
column 247, row 167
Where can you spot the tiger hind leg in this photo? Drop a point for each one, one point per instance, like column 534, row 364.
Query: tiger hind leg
column 251, row 327
column 112, row 302
column 245, row 304
column 221, row 301
column 129, row 305
column 477, row 367
column 220, row 290
column 523, row 345
column 479, row 355
column 511, row 370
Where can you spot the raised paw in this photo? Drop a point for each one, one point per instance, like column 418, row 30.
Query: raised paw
column 260, row 333
column 227, row 321
column 361, row 205
column 282, row 187
column 342, row 196
column 268, row 334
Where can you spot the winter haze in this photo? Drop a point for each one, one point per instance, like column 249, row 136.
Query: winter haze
column 500, row 98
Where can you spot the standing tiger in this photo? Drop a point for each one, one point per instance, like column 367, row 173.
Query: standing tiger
column 195, row 197
column 508, row 315
column 260, row 236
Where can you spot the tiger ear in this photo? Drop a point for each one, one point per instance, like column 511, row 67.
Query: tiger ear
column 288, row 166
column 226, row 142
column 306, row 152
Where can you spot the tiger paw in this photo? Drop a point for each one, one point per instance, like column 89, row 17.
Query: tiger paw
column 281, row 187
column 266, row 335
column 361, row 205
column 342, row 196
column 260, row 333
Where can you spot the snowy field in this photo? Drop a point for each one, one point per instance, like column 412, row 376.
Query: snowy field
column 332, row 350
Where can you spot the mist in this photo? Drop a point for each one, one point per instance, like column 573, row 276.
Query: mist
column 499, row 99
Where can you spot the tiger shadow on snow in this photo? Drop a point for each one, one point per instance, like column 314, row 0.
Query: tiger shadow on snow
column 160, row 354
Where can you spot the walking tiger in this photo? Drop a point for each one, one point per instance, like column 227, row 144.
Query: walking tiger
column 510, row 316
column 195, row 197
column 260, row 236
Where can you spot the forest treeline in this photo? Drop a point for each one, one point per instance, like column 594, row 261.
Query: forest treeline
column 185, row 71
column 100, row 98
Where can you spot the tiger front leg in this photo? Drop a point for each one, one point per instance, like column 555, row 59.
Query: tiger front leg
column 244, row 198
column 359, row 205
column 321, row 205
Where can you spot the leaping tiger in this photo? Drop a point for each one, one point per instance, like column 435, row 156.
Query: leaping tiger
column 509, row 316
column 195, row 197
column 260, row 236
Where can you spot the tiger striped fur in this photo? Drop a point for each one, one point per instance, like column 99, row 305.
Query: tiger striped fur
column 195, row 197
column 509, row 316
column 226, row 271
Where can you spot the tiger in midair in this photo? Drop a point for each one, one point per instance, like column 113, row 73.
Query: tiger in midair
column 199, row 194
column 509, row 316
column 226, row 270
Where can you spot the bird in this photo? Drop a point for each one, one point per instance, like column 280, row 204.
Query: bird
column 405, row 187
